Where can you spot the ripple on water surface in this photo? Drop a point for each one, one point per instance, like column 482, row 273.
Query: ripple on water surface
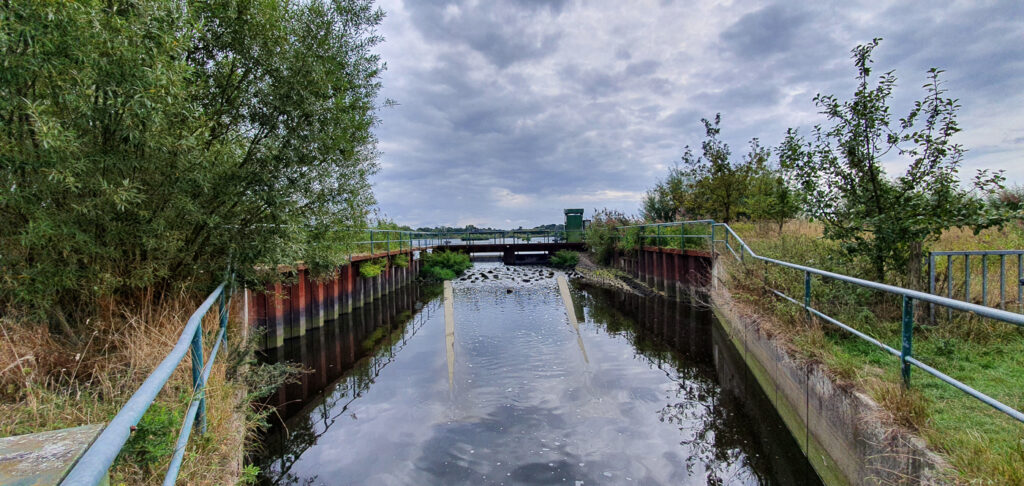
column 634, row 396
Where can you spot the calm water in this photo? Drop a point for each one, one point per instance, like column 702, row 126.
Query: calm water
column 648, row 391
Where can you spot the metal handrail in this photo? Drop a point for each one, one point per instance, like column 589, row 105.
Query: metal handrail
column 92, row 467
column 909, row 296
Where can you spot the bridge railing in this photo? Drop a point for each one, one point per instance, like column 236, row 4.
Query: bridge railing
column 742, row 252
column 94, row 464
column 483, row 237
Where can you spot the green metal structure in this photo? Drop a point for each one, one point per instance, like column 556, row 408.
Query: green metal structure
column 573, row 225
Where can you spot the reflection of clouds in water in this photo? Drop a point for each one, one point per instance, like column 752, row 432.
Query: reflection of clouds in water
column 527, row 409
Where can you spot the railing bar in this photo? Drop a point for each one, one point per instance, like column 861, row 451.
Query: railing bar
column 996, row 404
column 193, row 411
column 94, row 463
column 887, row 348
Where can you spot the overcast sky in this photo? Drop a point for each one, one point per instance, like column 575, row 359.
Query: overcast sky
column 509, row 111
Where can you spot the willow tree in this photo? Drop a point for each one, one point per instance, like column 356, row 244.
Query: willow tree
column 887, row 220
column 144, row 144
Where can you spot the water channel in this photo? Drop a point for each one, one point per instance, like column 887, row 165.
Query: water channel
column 644, row 391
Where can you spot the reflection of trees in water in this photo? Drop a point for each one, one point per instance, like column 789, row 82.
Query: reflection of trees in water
column 285, row 447
column 714, row 434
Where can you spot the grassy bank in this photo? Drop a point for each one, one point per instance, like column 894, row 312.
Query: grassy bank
column 982, row 445
column 48, row 383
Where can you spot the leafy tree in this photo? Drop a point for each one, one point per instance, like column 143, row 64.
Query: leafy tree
column 771, row 196
column 145, row 144
column 887, row 220
column 719, row 184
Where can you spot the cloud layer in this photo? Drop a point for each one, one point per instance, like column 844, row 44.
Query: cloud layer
column 509, row 111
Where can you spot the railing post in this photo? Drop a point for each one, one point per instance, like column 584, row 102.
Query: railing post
column 984, row 280
column 198, row 387
column 807, row 291
column 908, row 337
column 931, row 287
column 1002, row 282
column 224, row 315
column 712, row 240
column 658, row 244
column 949, row 285
column 371, row 242
column 967, row 278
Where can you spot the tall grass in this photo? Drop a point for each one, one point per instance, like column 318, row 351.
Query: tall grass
column 982, row 445
column 48, row 384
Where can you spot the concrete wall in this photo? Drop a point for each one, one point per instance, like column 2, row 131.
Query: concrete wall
column 287, row 310
column 839, row 430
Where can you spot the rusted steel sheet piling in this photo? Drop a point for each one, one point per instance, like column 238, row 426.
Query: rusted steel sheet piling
column 670, row 270
column 288, row 310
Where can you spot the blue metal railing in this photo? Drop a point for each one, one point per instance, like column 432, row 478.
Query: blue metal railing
column 92, row 467
column 905, row 353
column 984, row 256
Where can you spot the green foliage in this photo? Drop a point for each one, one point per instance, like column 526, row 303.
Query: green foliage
column 771, row 197
column 400, row 261
column 250, row 475
column 145, row 143
column 712, row 186
column 565, row 259
column 154, row 437
column 444, row 265
column 601, row 236
column 372, row 268
column 887, row 220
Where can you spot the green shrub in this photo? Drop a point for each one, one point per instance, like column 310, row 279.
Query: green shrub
column 400, row 261
column 372, row 268
column 565, row 259
column 444, row 265
column 154, row 437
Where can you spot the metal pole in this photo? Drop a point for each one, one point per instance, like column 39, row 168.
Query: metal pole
column 1002, row 282
column 1020, row 283
column 908, row 339
column 949, row 284
column 984, row 280
column 931, row 287
column 371, row 242
column 967, row 278
column 197, row 377
column 807, row 290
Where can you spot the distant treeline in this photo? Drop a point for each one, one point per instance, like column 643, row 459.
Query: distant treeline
column 148, row 144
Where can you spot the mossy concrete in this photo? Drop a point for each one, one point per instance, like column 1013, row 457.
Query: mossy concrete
column 841, row 431
column 44, row 458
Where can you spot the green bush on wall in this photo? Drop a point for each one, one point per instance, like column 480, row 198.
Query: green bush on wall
column 372, row 268
column 565, row 259
column 400, row 261
column 444, row 265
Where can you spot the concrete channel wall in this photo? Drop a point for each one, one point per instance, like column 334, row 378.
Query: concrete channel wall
column 287, row 310
column 840, row 431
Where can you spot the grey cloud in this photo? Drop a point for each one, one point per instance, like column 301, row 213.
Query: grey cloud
column 503, row 32
column 769, row 30
column 551, row 122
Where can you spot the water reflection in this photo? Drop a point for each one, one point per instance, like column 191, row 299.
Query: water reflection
column 662, row 398
column 724, row 418
column 343, row 359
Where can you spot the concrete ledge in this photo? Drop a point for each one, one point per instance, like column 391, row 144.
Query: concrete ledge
column 44, row 458
column 839, row 431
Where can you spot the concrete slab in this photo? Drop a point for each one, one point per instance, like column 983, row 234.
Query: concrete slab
column 44, row 458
